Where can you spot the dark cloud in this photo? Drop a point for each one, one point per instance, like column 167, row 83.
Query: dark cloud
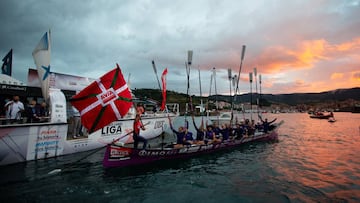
column 89, row 37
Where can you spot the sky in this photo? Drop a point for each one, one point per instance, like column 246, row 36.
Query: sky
column 297, row 46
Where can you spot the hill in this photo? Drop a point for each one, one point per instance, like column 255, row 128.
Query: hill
column 340, row 98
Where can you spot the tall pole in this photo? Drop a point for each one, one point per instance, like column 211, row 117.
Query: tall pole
column 216, row 95
column 250, row 79
column 201, row 99
column 211, row 79
column 256, row 92
column 260, row 89
column 230, row 78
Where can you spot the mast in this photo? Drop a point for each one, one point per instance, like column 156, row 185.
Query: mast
column 256, row 92
column 207, row 114
column 201, row 99
column 250, row 79
column 260, row 89
column 216, row 96
column 230, row 78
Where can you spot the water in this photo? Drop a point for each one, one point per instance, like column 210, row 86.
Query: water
column 313, row 161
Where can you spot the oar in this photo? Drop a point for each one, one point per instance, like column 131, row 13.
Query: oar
column 58, row 170
column 155, row 71
column 238, row 77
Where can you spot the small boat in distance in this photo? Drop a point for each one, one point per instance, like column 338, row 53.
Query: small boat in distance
column 221, row 118
column 321, row 115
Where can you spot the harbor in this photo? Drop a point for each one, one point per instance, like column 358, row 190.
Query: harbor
column 313, row 161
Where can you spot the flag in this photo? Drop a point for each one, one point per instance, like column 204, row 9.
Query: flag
column 105, row 100
column 6, row 67
column 163, row 80
column 41, row 55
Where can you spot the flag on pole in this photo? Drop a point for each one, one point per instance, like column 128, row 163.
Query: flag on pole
column 6, row 67
column 41, row 55
column 163, row 80
column 105, row 100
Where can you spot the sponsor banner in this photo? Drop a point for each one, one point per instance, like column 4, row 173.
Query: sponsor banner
column 119, row 152
column 60, row 81
column 46, row 141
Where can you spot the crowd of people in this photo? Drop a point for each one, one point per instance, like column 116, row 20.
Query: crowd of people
column 14, row 111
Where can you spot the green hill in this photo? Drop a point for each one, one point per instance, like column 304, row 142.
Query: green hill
column 346, row 97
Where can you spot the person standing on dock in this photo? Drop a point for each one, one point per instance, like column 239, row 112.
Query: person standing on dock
column 136, row 133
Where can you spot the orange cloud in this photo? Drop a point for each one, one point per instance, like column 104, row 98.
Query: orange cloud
column 335, row 76
column 356, row 78
column 304, row 56
column 277, row 58
column 310, row 51
column 354, row 44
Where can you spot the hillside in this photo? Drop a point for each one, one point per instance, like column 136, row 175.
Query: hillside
column 301, row 98
column 337, row 97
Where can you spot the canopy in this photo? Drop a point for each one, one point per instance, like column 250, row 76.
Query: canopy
column 8, row 80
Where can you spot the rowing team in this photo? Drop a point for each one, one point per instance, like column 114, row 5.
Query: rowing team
column 216, row 134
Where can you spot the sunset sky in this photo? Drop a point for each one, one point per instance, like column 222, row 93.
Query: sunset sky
column 297, row 46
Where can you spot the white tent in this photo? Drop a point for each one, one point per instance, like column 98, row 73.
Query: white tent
column 8, row 80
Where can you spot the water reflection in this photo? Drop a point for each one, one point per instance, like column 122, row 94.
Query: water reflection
column 313, row 161
column 322, row 156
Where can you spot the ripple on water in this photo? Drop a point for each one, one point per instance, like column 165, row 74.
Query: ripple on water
column 313, row 161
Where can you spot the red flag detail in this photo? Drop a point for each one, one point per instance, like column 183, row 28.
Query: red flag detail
column 163, row 80
column 103, row 101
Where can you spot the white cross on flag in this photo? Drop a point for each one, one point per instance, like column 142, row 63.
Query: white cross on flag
column 103, row 101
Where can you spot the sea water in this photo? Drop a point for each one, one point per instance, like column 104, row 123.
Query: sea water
column 313, row 161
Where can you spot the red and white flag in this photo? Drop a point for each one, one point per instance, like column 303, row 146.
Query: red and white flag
column 105, row 100
column 163, row 80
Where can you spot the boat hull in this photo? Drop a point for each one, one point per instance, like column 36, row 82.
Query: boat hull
column 320, row 116
column 117, row 156
column 26, row 142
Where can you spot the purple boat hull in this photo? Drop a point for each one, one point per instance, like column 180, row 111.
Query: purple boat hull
column 117, row 156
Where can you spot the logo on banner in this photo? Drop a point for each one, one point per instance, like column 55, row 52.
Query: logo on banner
column 108, row 96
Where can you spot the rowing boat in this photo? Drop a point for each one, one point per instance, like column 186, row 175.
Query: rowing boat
column 121, row 156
